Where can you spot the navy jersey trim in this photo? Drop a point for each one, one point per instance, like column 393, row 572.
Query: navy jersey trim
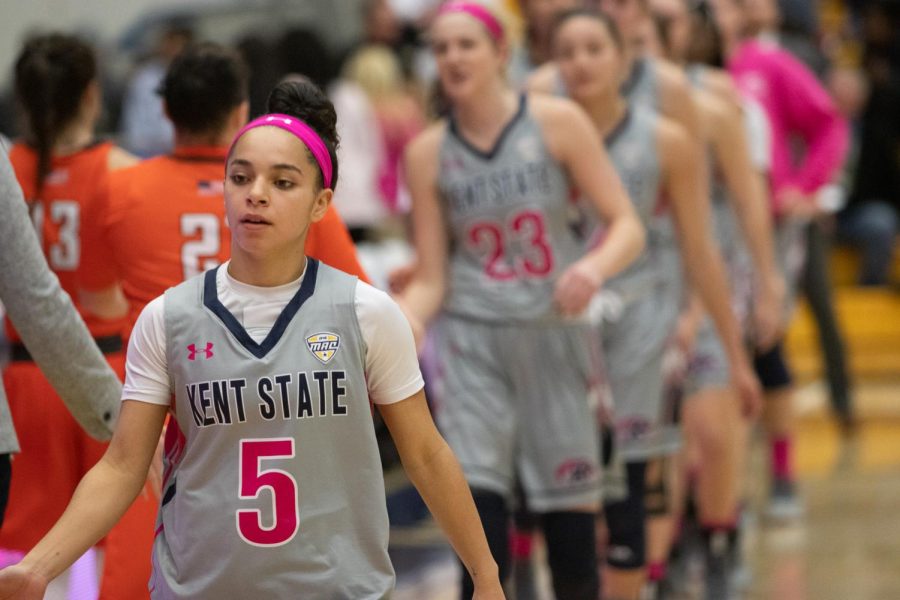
column 498, row 144
column 620, row 128
column 636, row 71
column 212, row 302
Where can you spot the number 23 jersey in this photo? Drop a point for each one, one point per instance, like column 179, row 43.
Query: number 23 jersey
column 63, row 214
column 508, row 211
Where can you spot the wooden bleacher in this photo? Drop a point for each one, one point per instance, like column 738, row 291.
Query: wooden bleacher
column 870, row 319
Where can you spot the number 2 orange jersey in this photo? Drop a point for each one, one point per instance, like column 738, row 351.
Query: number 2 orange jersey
column 164, row 220
column 62, row 215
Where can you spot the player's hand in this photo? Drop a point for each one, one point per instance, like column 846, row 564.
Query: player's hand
column 768, row 314
column 746, row 385
column 798, row 205
column 685, row 335
column 18, row 583
column 400, row 277
column 418, row 328
column 575, row 288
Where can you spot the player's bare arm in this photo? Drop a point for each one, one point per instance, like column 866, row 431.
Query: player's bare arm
column 703, row 261
column 422, row 296
column 573, row 140
column 434, row 470
column 747, row 194
column 99, row 501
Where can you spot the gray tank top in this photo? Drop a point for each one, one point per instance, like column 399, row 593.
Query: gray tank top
column 632, row 149
column 273, row 484
column 508, row 214
column 641, row 87
column 724, row 223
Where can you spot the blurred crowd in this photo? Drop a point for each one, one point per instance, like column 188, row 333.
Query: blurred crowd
column 382, row 87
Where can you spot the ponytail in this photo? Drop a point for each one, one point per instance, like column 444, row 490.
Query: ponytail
column 51, row 75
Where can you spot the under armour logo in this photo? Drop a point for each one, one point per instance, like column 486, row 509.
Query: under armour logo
column 282, row 119
column 192, row 351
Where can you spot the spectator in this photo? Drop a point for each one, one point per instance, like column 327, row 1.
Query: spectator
column 145, row 129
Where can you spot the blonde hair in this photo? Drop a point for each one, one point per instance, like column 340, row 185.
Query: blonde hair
column 376, row 70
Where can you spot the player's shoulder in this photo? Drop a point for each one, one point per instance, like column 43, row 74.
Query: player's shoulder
column 671, row 135
column 713, row 109
column 544, row 79
column 670, row 75
column 20, row 151
column 119, row 158
column 374, row 301
column 428, row 141
column 555, row 111
column 720, row 83
column 152, row 316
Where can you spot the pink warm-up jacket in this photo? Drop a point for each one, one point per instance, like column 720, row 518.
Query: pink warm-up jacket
column 797, row 106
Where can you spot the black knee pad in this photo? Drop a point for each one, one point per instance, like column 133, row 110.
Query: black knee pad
column 572, row 554
column 625, row 520
column 772, row 369
column 495, row 520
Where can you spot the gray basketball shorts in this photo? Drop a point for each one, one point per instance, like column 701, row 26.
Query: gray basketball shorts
column 790, row 253
column 633, row 349
column 708, row 366
column 517, row 404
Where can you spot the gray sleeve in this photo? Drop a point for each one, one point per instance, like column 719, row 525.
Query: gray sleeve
column 45, row 318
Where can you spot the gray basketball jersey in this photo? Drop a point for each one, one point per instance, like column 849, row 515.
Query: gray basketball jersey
column 641, row 87
column 508, row 217
column 726, row 230
column 273, row 484
column 632, row 150
column 633, row 344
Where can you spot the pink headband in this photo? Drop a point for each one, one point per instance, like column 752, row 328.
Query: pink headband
column 486, row 17
column 304, row 133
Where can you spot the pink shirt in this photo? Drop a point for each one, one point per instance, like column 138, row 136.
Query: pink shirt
column 797, row 106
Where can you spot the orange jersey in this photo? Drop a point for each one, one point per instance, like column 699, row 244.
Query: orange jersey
column 164, row 220
column 62, row 216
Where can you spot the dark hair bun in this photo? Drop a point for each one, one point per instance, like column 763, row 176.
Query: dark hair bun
column 304, row 100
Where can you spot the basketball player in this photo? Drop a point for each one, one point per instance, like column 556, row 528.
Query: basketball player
column 653, row 156
column 801, row 111
column 273, row 486
column 498, row 260
column 164, row 218
column 60, row 165
column 51, row 329
column 714, row 426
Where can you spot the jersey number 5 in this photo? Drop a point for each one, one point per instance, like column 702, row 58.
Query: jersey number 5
column 525, row 230
column 285, row 514
column 199, row 255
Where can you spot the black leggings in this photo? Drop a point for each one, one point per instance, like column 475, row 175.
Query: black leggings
column 571, row 547
column 626, row 522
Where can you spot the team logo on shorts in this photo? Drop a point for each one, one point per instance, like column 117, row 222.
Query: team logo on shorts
column 323, row 345
column 575, row 470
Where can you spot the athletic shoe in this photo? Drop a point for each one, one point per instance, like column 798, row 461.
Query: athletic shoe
column 784, row 502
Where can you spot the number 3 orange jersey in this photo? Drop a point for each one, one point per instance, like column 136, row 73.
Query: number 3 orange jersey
column 164, row 220
column 62, row 216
